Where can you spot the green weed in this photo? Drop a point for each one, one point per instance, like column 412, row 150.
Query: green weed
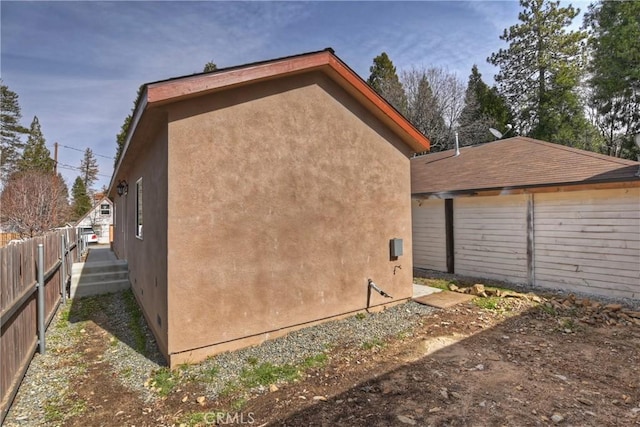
column 56, row 412
column 238, row 404
column 135, row 321
column 164, row 380
column 209, row 374
column 63, row 321
column 267, row 373
column 316, row 361
column 361, row 316
column 374, row 343
column 126, row 372
column 491, row 303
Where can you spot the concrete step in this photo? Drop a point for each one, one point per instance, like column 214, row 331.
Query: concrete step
column 90, row 289
column 103, row 276
column 95, row 278
column 103, row 266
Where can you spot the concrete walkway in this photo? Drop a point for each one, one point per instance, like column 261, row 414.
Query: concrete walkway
column 100, row 253
column 101, row 273
column 422, row 290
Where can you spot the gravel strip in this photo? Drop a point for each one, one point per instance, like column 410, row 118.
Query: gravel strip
column 299, row 345
column 46, row 382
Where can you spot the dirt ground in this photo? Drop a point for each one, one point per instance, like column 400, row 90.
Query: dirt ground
column 515, row 362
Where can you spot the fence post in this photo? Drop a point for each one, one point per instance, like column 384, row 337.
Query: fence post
column 63, row 259
column 41, row 311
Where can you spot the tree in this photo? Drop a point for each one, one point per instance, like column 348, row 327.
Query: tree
column 33, row 202
column 385, row 81
column 209, row 66
column 540, row 70
column 36, row 155
column 483, row 108
column 614, row 47
column 81, row 202
column 10, row 131
column 434, row 102
column 423, row 110
column 121, row 137
column 89, row 168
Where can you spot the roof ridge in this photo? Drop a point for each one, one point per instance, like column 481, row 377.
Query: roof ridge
column 579, row 151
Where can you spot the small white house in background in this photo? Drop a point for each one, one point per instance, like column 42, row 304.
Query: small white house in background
column 522, row 210
column 100, row 218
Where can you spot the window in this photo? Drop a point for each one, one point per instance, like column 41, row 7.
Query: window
column 139, row 208
column 105, row 209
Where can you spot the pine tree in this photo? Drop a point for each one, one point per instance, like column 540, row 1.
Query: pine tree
column 483, row 109
column 81, row 202
column 540, row 70
column 36, row 155
column 615, row 73
column 89, row 168
column 385, row 81
column 10, row 132
column 121, row 137
column 209, row 66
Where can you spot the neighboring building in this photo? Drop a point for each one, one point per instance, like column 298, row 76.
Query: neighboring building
column 260, row 199
column 527, row 211
column 100, row 218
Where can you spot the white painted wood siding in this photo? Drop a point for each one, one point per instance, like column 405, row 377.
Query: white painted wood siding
column 589, row 241
column 490, row 235
column 429, row 240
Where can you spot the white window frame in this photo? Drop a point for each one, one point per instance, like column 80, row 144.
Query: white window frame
column 102, row 211
column 139, row 208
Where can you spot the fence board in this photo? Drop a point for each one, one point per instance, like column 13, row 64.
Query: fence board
column 18, row 304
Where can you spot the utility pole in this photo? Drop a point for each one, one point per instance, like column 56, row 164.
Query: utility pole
column 55, row 158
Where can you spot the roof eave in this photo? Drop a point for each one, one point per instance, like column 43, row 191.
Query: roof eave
column 141, row 105
column 519, row 189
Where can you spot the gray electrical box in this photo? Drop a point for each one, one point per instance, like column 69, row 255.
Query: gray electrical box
column 395, row 246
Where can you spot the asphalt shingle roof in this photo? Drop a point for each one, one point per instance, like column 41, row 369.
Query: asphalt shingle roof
column 515, row 163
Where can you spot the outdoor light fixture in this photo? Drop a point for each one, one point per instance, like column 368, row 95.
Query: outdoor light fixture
column 123, row 188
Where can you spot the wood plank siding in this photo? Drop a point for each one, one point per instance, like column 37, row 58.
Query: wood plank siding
column 580, row 241
column 429, row 237
column 490, row 235
column 589, row 241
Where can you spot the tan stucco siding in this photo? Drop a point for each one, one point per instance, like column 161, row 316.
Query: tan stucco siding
column 282, row 200
column 147, row 256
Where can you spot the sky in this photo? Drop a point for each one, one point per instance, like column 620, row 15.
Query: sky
column 78, row 65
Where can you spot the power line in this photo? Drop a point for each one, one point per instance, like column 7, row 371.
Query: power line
column 82, row 151
column 65, row 166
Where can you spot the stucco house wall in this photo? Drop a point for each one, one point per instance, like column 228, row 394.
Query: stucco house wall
column 268, row 204
column 146, row 255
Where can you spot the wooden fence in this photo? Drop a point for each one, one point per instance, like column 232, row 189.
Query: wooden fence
column 5, row 238
column 21, row 330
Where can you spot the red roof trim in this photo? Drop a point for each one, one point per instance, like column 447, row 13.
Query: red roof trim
column 172, row 90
